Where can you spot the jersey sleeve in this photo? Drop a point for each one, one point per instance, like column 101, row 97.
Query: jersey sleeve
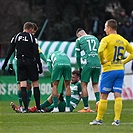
column 11, row 58
column 129, row 49
column 11, row 49
column 77, row 52
column 36, row 51
column 42, row 56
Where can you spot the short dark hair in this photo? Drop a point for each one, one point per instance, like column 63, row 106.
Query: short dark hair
column 78, row 30
column 28, row 25
column 112, row 23
column 35, row 26
column 77, row 72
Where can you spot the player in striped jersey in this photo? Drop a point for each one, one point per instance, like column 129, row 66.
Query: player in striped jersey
column 48, row 105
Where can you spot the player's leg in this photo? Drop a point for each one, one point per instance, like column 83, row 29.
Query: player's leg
column 117, row 94
column 36, row 93
column 85, row 78
column 47, row 103
column 95, row 80
column 29, row 91
column 19, row 88
column 106, row 84
column 55, row 95
column 67, row 79
column 68, row 95
column 55, row 78
column 23, row 85
column 33, row 76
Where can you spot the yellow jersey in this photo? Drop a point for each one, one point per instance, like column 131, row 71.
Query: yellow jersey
column 111, row 51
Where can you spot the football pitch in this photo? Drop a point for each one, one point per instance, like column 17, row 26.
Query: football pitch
column 74, row 122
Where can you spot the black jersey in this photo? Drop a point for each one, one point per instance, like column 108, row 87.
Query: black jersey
column 26, row 46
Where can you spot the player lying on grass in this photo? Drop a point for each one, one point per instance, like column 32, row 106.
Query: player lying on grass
column 48, row 106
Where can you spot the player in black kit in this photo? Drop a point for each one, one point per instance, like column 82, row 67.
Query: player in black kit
column 28, row 62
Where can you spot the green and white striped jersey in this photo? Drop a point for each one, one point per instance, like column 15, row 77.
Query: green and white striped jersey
column 75, row 94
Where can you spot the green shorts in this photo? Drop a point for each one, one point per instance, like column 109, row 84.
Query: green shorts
column 59, row 71
column 90, row 72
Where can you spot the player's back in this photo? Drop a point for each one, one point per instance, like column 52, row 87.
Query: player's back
column 89, row 49
column 24, row 44
column 59, row 57
column 115, row 47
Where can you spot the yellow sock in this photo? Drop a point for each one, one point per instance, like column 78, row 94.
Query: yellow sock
column 101, row 109
column 117, row 108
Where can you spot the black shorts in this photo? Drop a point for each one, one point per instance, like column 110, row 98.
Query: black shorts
column 27, row 70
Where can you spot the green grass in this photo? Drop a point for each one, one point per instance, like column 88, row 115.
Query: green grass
column 11, row 122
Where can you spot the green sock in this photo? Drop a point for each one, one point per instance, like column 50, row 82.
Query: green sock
column 50, row 108
column 19, row 98
column 55, row 101
column 29, row 93
column 85, row 101
column 45, row 104
column 97, row 95
column 68, row 101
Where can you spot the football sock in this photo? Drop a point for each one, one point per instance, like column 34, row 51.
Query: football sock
column 55, row 101
column 117, row 108
column 68, row 101
column 85, row 101
column 45, row 104
column 37, row 97
column 24, row 97
column 97, row 95
column 20, row 98
column 101, row 109
column 29, row 93
column 50, row 108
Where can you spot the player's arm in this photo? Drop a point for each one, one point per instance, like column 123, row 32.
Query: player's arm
column 42, row 56
column 129, row 49
column 11, row 58
column 77, row 51
column 79, row 89
column 36, row 54
column 10, row 67
column 62, row 91
column 49, row 63
column 101, row 49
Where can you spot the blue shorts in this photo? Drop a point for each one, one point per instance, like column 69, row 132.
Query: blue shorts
column 112, row 81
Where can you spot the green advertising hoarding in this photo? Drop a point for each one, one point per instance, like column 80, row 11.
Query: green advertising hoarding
column 9, row 89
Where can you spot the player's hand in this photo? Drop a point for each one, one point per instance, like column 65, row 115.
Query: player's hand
column 4, row 66
column 40, row 69
column 103, row 62
column 10, row 68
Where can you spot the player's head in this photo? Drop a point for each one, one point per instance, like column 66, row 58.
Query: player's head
column 80, row 32
column 110, row 26
column 28, row 27
column 35, row 28
column 75, row 76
